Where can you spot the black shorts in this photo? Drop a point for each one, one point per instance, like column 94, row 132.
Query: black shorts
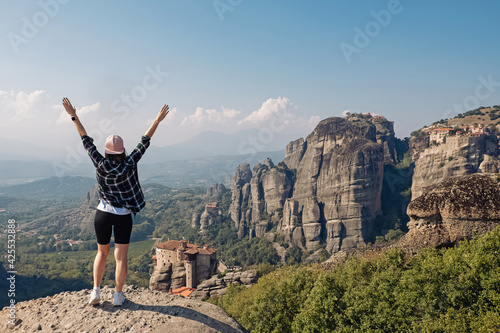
column 103, row 223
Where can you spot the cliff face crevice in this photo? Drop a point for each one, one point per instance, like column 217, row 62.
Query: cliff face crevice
column 327, row 190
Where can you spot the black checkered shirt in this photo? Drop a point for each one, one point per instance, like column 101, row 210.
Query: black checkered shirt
column 118, row 183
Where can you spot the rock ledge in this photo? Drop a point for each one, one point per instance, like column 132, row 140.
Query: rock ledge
column 143, row 311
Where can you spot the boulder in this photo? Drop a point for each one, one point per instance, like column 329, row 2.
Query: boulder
column 178, row 276
column 161, row 278
column 455, row 209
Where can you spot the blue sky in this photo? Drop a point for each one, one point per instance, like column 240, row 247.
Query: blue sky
column 237, row 64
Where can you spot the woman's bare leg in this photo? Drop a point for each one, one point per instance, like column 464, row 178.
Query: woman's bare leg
column 121, row 252
column 100, row 263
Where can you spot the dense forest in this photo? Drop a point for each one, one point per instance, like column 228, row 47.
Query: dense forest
column 445, row 290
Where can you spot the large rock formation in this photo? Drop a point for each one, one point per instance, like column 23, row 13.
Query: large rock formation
column 338, row 186
column 326, row 190
column 457, row 208
column 385, row 137
column 215, row 192
column 261, row 191
column 161, row 279
column 240, row 197
column 201, row 220
column 457, row 156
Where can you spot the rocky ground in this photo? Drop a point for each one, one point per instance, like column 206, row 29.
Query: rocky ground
column 143, row 311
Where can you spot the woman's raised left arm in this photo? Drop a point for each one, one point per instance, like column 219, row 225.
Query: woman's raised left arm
column 72, row 112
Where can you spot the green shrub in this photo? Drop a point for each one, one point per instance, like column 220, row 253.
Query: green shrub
column 446, row 290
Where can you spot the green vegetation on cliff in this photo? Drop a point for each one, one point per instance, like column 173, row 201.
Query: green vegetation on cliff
column 446, row 290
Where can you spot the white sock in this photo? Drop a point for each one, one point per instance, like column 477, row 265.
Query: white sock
column 97, row 289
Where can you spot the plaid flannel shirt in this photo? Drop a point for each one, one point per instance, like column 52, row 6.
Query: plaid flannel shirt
column 118, row 183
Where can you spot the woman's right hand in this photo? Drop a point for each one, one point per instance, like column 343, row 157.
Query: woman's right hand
column 163, row 113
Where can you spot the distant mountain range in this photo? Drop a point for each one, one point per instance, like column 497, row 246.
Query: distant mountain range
column 210, row 143
column 206, row 158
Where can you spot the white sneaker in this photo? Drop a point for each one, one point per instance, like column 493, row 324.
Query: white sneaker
column 118, row 299
column 95, row 297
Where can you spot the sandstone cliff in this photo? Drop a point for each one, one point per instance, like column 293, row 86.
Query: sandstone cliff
column 327, row 189
column 142, row 311
column 257, row 193
column 454, row 210
column 457, row 156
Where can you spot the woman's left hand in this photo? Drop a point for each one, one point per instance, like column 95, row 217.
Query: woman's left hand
column 68, row 107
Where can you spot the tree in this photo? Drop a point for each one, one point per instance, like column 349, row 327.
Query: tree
column 293, row 255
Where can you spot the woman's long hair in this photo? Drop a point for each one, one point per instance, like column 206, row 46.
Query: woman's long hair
column 116, row 158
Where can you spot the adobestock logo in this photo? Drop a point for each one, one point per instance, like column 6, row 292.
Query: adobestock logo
column 363, row 37
column 252, row 145
column 31, row 27
column 138, row 93
column 223, row 6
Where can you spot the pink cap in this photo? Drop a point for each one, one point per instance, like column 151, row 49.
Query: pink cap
column 114, row 145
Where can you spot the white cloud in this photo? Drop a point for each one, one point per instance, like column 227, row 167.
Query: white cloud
column 345, row 113
column 36, row 106
column 280, row 107
column 276, row 114
column 21, row 106
column 204, row 117
column 313, row 121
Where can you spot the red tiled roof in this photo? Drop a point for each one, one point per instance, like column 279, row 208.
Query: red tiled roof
column 173, row 245
column 190, row 248
column 208, row 250
column 184, row 291
column 442, row 129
